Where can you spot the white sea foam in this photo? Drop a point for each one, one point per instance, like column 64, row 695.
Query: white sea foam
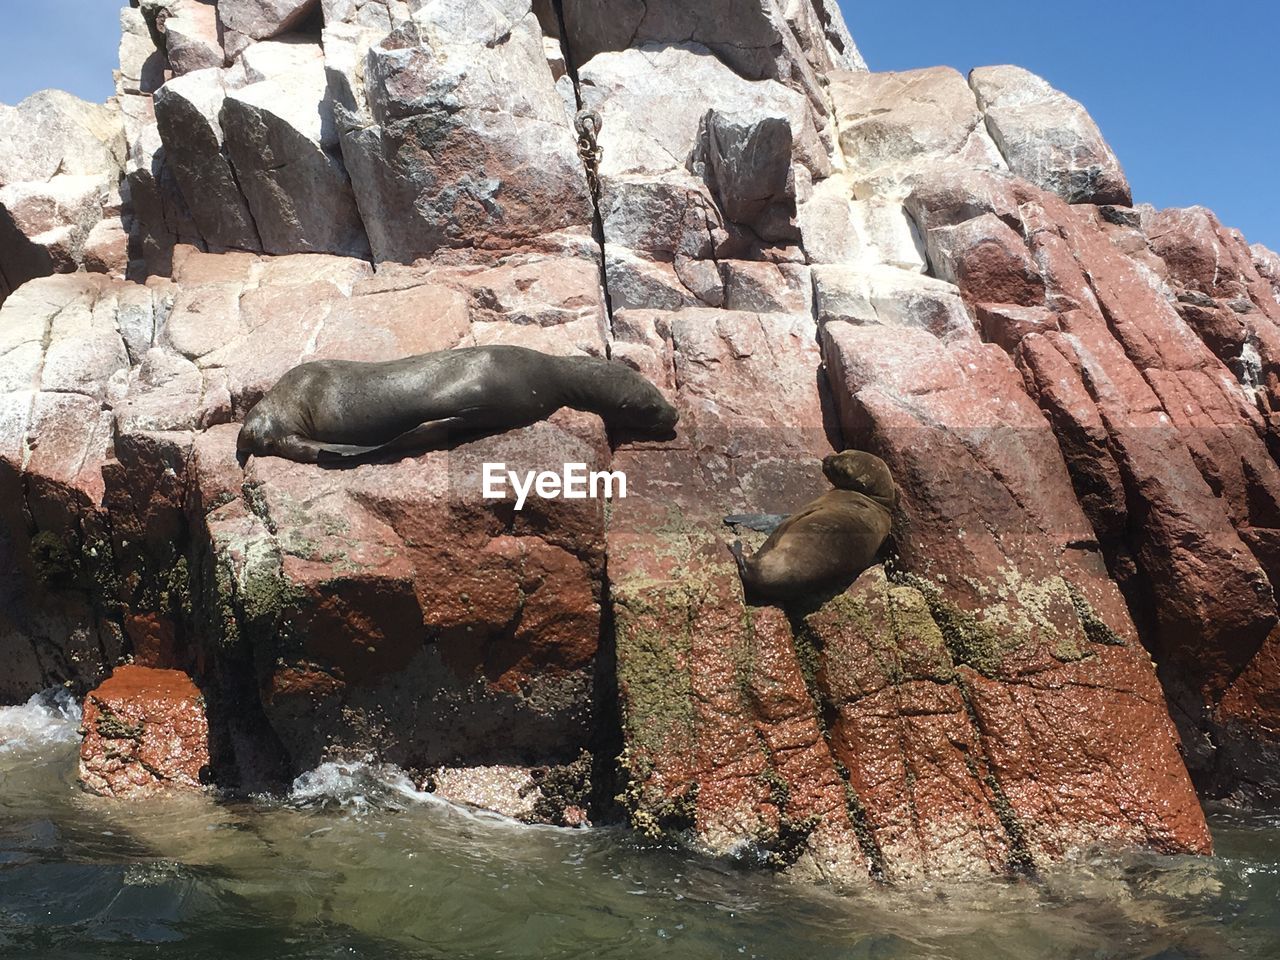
column 358, row 786
column 363, row 787
column 47, row 718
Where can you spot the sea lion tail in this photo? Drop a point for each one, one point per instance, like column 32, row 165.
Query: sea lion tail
column 761, row 522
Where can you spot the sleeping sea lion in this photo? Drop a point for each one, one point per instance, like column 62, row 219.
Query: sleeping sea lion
column 336, row 411
column 830, row 540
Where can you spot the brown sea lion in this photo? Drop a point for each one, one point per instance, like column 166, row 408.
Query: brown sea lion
column 346, row 411
column 829, row 541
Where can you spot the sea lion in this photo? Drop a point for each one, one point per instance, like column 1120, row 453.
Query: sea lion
column 827, row 542
column 336, row 411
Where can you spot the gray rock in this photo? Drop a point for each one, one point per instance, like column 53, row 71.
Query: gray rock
column 884, row 296
column 455, row 135
column 637, row 138
column 888, row 122
column 1267, row 262
column 187, row 117
column 762, row 287
column 52, row 132
column 191, row 36
column 651, row 201
column 1049, row 138
column 161, row 217
column 44, row 226
column 243, row 21
column 142, row 65
column 60, row 161
column 136, row 320
column 758, row 39
column 377, row 14
column 637, row 283
column 106, row 247
column 282, row 141
column 746, row 161
column 662, row 218
column 273, row 58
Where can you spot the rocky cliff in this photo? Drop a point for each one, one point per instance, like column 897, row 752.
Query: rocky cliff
column 1075, row 620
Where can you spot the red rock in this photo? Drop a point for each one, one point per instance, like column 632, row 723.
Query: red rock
column 1237, row 302
column 145, row 733
column 721, row 732
column 1165, row 448
column 901, row 730
column 988, row 261
column 991, row 534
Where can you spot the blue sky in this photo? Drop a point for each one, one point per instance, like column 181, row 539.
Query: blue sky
column 1187, row 92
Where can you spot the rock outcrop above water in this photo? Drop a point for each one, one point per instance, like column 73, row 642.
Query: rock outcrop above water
column 1076, row 396
column 145, row 733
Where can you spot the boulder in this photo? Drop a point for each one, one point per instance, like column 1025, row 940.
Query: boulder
column 241, row 22
column 142, row 65
column 746, row 161
column 886, row 296
column 145, row 733
column 187, row 112
column 376, row 14
column 191, row 38
column 60, row 158
column 52, row 133
column 44, row 225
column 161, row 217
column 1267, row 263
column 792, row 43
column 889, row 122
column 440, row 152
column 1047, row 138
column 282, row 140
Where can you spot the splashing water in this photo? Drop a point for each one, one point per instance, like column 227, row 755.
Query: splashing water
column 48, row 718
column 358, row 787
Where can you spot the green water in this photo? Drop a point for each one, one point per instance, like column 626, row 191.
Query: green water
column 356, row 864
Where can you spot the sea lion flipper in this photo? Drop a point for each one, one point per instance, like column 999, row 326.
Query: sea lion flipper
column 425, row 436
column 761, row 522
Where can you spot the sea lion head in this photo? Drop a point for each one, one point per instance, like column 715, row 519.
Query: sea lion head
column 257, row 436
column 863, row 473
column 642, row 408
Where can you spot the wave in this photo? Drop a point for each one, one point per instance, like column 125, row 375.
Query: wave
column 358, row 786
column 50, row 717
column 362, row 787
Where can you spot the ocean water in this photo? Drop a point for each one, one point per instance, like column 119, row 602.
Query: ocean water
column 355, row 863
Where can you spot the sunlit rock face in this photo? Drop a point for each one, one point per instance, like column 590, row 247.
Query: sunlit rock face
column 1076, row 398
column 145, row 733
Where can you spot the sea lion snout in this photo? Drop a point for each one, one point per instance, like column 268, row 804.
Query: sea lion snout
column 647, row 411
column 255, row 438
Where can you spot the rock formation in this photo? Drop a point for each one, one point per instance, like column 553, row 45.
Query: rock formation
column 1076, row 396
